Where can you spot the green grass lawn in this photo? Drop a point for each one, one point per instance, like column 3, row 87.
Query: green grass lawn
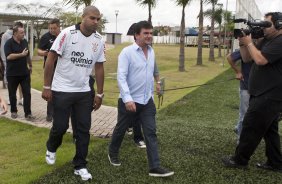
column 167, row 59
column 22, row 152
column 194, row 133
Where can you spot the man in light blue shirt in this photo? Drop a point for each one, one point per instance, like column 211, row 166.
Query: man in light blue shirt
column 135, row 74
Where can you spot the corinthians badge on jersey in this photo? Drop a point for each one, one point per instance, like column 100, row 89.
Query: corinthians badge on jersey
column 94, row 47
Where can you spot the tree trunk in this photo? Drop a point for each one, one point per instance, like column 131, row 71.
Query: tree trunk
column 150, row 15
column 200, row 36
column 211, row 54
column 182, row 37
column 219, row 44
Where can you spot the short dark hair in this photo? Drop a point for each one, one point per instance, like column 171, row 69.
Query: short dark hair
column 16, row 28
column 142, row 25
column 54, row 21
column 276, row 19
column 17, row 24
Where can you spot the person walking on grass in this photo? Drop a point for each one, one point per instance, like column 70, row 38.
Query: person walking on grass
column 77, row 50
column 265, row 87
column 135, row 76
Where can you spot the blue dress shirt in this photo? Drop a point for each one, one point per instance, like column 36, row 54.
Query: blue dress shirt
column 135, row 74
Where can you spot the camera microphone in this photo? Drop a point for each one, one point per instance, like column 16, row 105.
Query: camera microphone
column 260, row 24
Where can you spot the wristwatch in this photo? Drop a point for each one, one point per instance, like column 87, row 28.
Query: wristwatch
column 100, row 95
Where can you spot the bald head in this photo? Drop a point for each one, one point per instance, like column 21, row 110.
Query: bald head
column 90, row 9
column 90, row 19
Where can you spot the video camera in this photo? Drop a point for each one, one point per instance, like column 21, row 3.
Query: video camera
column 254, row 28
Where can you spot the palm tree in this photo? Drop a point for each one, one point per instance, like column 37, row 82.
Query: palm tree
column 200, row 35
column 77, row 3
column 229, row 26
column 151, row 4
column 211, row 53
column 183, row 4
column 218, row 15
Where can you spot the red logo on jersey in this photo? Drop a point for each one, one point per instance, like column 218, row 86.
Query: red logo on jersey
column 62, row 41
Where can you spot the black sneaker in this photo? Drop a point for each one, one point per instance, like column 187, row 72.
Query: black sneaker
column 114, row 160
column 14, row 115
column 269, row 167
column 29, row 117
column 230, row 162
column 160, row 172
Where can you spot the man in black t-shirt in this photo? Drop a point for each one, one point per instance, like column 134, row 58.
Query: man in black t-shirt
column 265, row 88
column 45, row 44
column 17, row 54
column 46, row 41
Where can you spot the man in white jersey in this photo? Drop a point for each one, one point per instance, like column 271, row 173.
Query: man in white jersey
column 77, row 50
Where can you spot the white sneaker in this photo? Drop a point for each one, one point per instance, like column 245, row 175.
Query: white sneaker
column 141, row 144
column 50, row 157
column 83, row 173
column 129, row 131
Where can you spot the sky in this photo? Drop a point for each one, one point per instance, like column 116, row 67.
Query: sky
column 166, row 12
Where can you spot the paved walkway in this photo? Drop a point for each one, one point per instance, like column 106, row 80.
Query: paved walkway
column 103, row 120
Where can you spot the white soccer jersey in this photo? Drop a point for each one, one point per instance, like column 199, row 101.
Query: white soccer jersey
column 77, row 56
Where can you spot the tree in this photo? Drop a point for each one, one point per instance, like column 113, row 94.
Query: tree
column 151, row 4
column 200, row 35
column 218, row 15
column 183, row 4
column 229, row 26
column 37, row 9
column 77, row 3
column 211, row 53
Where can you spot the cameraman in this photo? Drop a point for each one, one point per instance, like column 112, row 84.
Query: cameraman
column 265, row 88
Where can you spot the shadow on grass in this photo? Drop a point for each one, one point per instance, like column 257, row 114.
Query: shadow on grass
column 194, row 133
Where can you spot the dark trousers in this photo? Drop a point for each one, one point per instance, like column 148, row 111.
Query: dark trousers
column 80, row 104
column 146, row 114
column 73, row 115
column 50, row 109
column 13, row 83
column 260, row 121
column 137, row 132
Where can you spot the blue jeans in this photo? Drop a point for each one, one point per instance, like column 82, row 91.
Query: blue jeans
column 244, row 104
column 146, row 114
